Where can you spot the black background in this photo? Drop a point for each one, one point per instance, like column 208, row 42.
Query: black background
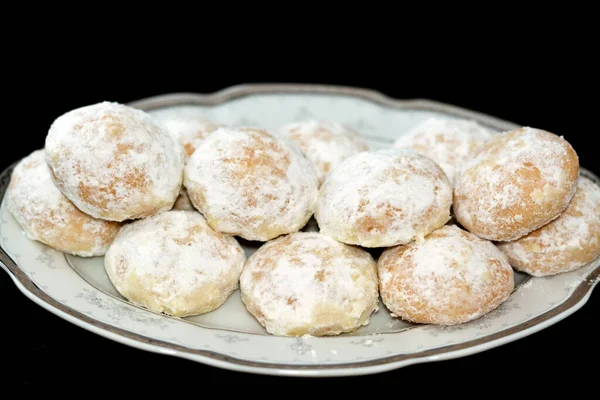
column 547, row 90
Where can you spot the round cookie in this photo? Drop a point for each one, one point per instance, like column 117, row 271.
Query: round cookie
column 47, row 216
column 518, row 182
column 448, row 142
column 449, row 278
column 325, row 143
column 174, row 263
column 565, row 244
column 384, row 198
column 190, row 130
column 249, row 183
column 307, row 283
column 114, row 162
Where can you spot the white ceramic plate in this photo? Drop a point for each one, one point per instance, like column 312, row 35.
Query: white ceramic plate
column 79, row 291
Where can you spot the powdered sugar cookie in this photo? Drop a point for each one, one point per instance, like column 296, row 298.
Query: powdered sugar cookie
column 384, row 198
column 448, row 142
column 567, row 243
column 306, row 283
column 190, row 130
column 47, row 216
column 518, row 182
column 249, row 183
column 449, row 278
column 174, row 263
column 114, row 162
column 325, row 143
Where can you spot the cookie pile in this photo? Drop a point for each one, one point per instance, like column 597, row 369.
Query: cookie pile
column 167, row 201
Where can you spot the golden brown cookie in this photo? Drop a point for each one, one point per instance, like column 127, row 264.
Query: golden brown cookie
column 189, row 129
column 307, row 283
column 174, row 263
column 449, row 278
column 325, row 143
column 518, row 182
column 448, row 142
column 47, row 216
column 567, row 243
column 114, row 162
column 384, row 198
column 249, row 183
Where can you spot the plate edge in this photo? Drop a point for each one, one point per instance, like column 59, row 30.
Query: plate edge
column 577, row 299
column 238, row 91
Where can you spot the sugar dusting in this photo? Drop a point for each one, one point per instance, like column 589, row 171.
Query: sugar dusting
column 326, row 143
column 567, row 243
column 451, row 277
column 448, row 142
column 384, row 198
column 190, row 130
column 45, row 214
column 519, row 181
column 249, row 183
column 309, row 283
column 114, row 162
column 171, row 255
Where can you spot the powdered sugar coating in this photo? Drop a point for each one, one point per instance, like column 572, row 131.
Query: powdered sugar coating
column 565, row 244
column 325, row 143
column 114, row 162
column 190, row 130
column 174, row 263
column 448, row 142
column 519, row 181
column 384, row 198
column 249, row 183
column 451, row 277
column 307, row 283
column 46, row 215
